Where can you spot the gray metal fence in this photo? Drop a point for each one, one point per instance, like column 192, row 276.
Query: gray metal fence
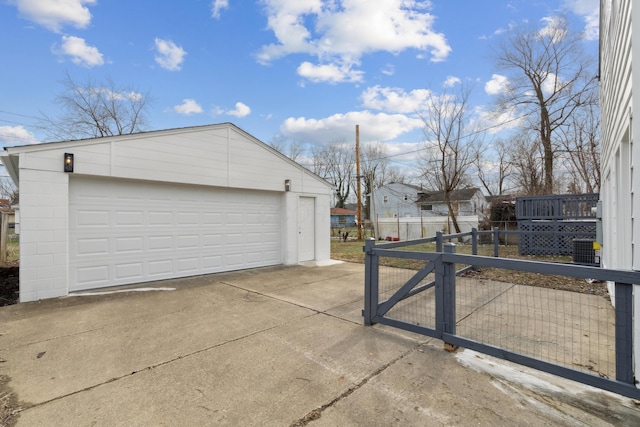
column 576, row 335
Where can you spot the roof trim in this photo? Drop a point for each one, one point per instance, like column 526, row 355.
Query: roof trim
column 11, row 153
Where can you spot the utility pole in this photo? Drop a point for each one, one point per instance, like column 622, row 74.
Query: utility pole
column 359, row 195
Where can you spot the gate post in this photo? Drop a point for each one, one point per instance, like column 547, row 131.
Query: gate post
column 474, row 244
column 624, row 333
column 370, row 281
column 438, row 241
column 496, row 242
column 446, row 296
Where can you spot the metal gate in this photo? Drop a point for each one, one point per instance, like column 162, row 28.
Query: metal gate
column 577, row 336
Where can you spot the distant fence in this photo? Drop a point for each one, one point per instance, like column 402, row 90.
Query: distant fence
column 411, row 228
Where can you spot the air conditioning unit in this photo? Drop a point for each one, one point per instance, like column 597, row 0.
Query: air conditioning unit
column 584, row 253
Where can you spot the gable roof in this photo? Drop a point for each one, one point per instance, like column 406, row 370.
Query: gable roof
column 342, row 211
column 10, row 156
column 456, row 195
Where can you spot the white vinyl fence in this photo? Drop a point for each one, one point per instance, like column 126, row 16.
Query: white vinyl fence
column 409, row 228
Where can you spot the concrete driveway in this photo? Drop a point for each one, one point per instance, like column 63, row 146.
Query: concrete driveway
column 273, row 346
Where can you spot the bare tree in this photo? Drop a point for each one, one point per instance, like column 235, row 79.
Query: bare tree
column 450, row 145
column 96, row 109
column 335, row 163
column 8, row 190
column 549, row 78
column 292, row 149
column 375, row 169
column 493, row 169
column 580, row 141
column 525, row 158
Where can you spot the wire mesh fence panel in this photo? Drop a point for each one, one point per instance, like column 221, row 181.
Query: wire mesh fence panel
column 418, row 309
column 571, row 329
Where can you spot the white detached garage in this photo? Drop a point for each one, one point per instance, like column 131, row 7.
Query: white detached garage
column 161, row 205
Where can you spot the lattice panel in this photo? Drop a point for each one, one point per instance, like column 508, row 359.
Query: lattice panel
column 552, row 237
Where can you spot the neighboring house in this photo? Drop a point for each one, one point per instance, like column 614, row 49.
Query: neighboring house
column 343, row 217
column 395, row 200
column 159, row 205
column 404, row 200
column 620, row 121
column 465, row 202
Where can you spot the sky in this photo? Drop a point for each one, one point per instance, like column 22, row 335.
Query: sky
column 298, row 70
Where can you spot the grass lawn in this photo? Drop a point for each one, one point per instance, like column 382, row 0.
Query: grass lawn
column 13, row 249
column 351, row 251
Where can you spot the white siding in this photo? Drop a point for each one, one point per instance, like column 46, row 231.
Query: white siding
column 619, row 43
column 216, row 155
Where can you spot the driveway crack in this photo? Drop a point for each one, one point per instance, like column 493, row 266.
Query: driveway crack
column 317, row 412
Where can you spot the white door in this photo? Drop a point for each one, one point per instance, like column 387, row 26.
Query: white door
column 306, row 229
column 124, row 231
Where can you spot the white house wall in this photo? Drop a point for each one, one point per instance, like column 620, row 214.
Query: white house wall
column 619, row 43
column 218, row 155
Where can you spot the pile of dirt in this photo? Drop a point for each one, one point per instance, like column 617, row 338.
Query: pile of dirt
column 9, row 290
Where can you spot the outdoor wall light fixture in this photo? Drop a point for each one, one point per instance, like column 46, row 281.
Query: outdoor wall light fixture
column 287, row 185
column 68, row 162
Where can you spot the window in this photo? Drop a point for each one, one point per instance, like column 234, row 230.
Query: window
column 342, row 219
column 386, row 199
column 427, row 207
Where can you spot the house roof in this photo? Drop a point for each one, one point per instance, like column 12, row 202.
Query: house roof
column 504, row 198
column 10, row 156
column 342, row 211
column 456, row 195
column 418, row 188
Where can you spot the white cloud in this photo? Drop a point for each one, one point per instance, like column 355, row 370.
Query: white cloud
column 497, row 85
column 373, row 127
column 331, row 73
column 555, row 28
column 389, row 70
column 498, row 121
column 16, row 135
column 550, row 84
column 241, row 110
column 589, row 10
column 395, row 100
column 54, row 14
column 80, row 52
column 170, row 56
column 451, row 81
column 338, row 33
column 218, row 6
column 188, row 106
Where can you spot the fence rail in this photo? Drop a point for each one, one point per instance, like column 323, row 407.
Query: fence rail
column 577, row 336
column 559, row 207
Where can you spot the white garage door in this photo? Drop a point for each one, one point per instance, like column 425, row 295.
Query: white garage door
column 124, row 232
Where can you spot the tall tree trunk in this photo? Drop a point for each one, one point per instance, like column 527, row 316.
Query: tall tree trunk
column 452, row 214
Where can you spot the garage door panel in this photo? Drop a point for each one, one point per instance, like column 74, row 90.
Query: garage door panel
column 91, row 246
column 129, row 218
column 160, row 243
column 129, row 244
column 94, row 275
column 90, row 218
column 130, row 270
column 160, row 218
column 160, row 267
column 123, row 231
